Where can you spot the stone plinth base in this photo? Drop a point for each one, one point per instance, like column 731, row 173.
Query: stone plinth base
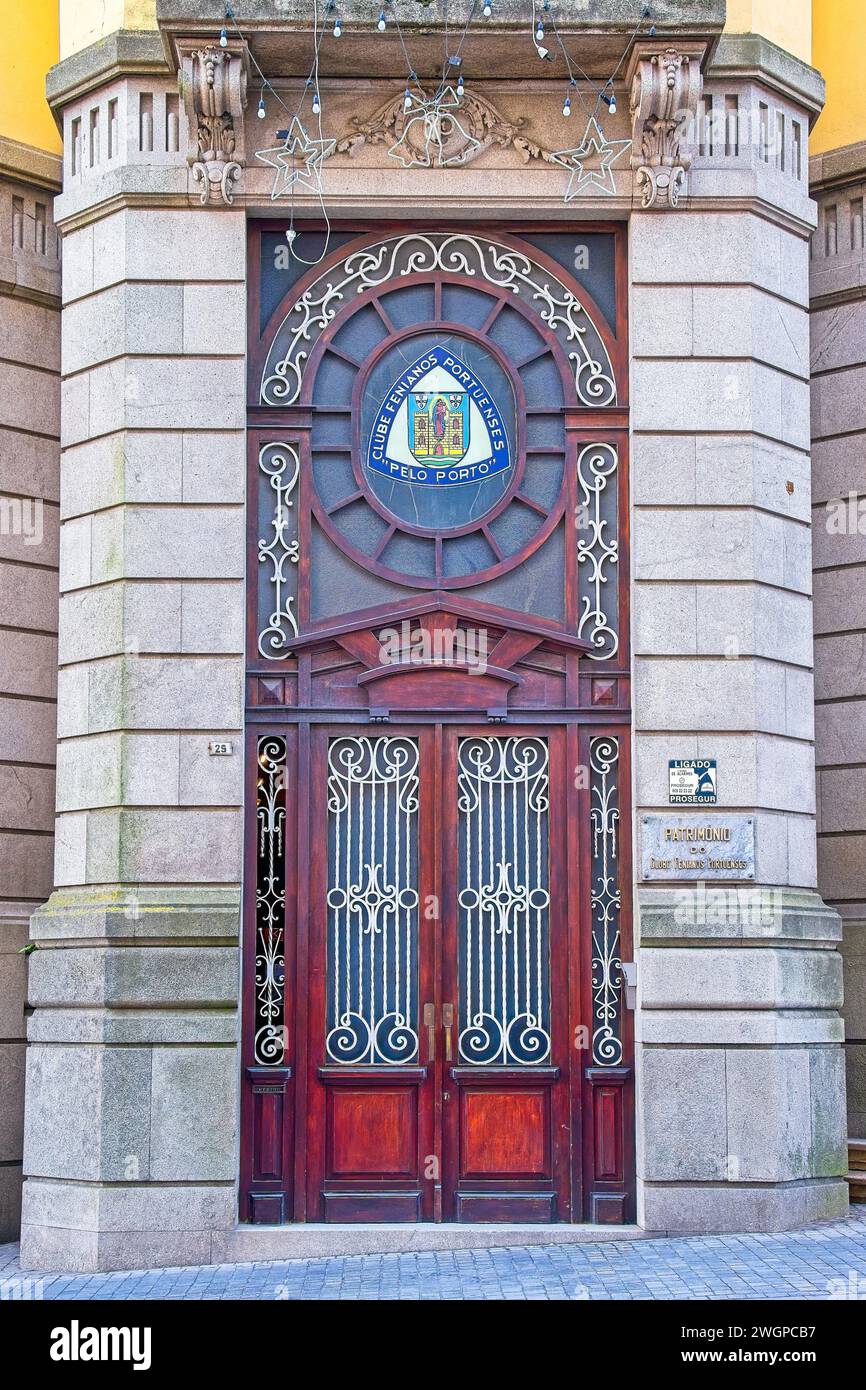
column 741, row 1069
column 130, row 1140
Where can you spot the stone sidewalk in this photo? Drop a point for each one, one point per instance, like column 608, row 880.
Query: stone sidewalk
column 819, row 1262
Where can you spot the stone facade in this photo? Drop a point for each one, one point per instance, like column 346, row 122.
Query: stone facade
column 131, row 1142
column 29, row 499
column 838, row 290
column 742, row 991
column 152, row 603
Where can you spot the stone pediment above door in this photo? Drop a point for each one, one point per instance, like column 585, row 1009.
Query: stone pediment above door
column 438, row 654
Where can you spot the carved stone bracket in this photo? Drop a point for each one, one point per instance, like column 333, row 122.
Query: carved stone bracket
column 666, row 86
column 213, row 85
column 480, row 128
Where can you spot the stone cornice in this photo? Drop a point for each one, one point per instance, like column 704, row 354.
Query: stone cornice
column 669, row 16
column 280, row 35
column 26, row 164
column 750, row 57
column 838, row 168
column 124, row 53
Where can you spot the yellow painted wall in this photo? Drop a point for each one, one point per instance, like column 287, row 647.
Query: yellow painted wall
column 787, row 23
column 83, row 22
column 31, row 48
column 839, row 32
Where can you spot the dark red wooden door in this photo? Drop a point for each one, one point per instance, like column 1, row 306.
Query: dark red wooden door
column 439, row 977
column 435, row 1020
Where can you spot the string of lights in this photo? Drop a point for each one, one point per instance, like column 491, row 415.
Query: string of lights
column 298, row 160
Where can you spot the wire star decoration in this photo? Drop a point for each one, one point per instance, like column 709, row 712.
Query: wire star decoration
column 591, row 161
column 298, row 161
column 427, row 128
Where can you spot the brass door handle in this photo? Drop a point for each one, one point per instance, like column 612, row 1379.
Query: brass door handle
column 430, row 1025
column 448, row 1024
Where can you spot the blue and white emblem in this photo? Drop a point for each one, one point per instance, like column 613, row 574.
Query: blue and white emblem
column 439, row 425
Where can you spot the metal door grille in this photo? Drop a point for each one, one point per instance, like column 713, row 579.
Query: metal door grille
column 372, row 900
column 504, row 900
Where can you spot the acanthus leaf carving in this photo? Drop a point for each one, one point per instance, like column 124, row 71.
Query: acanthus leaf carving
column 213, row 85
column 666, row 87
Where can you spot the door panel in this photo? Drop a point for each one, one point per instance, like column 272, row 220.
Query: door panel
column 372, row 952
column 505, row 1098
column 440, row 974
column 503, row 900
column 371, row 968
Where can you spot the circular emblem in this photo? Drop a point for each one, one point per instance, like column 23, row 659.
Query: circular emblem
column 438, row 432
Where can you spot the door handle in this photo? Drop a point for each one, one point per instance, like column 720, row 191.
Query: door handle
column 448, row 1024
column 430, row 1025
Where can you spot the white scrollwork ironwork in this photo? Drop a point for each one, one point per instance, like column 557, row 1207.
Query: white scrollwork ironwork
column 270, row 1043
column 373, row 900
column 504, row 896
column 460, row 254
column 606, row 903
column 597, row 549
column 280, row 464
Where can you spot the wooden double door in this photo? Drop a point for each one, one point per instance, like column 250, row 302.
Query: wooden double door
column 444, row 980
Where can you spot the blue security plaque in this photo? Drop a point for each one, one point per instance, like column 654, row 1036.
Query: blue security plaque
column 692, row 782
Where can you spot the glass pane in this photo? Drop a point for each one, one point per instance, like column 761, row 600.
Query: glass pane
column 361, row 333
column 409, row 305
column 542, row 382
column 462, row 305
column 339, row 586
column 334, row 382
column 372, row 972
column 467, row 554
column 536, row 585
column 504, row 901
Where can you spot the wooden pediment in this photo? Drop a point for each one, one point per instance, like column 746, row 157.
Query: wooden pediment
column 438, row 652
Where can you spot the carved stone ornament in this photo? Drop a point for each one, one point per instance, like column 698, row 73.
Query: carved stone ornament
column 480, row 127
column 213, row 85
column 666, row 86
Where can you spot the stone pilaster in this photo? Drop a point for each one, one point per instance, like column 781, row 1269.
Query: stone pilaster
column 741, row 1096
column 132, row 1067
column 29, row 496
column 838, row 288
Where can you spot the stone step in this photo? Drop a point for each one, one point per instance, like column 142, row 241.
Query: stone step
column 857, row 1188
column 857, row 1155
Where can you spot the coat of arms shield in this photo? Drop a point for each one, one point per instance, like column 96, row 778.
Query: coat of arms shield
column 439, row 425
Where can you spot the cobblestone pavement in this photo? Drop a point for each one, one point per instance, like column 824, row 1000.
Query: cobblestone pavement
column 819, row 1262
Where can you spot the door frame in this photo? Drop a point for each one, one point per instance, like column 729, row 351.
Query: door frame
column 541, row 675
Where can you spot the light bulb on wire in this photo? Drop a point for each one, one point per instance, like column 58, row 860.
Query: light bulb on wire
column 261, row 113
column 224, row 37
column 566, row 105
column 381, row 22
column 487, row 10
column 338, row 28
column 460, row 87
column 539, row 32
column 317, row 105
